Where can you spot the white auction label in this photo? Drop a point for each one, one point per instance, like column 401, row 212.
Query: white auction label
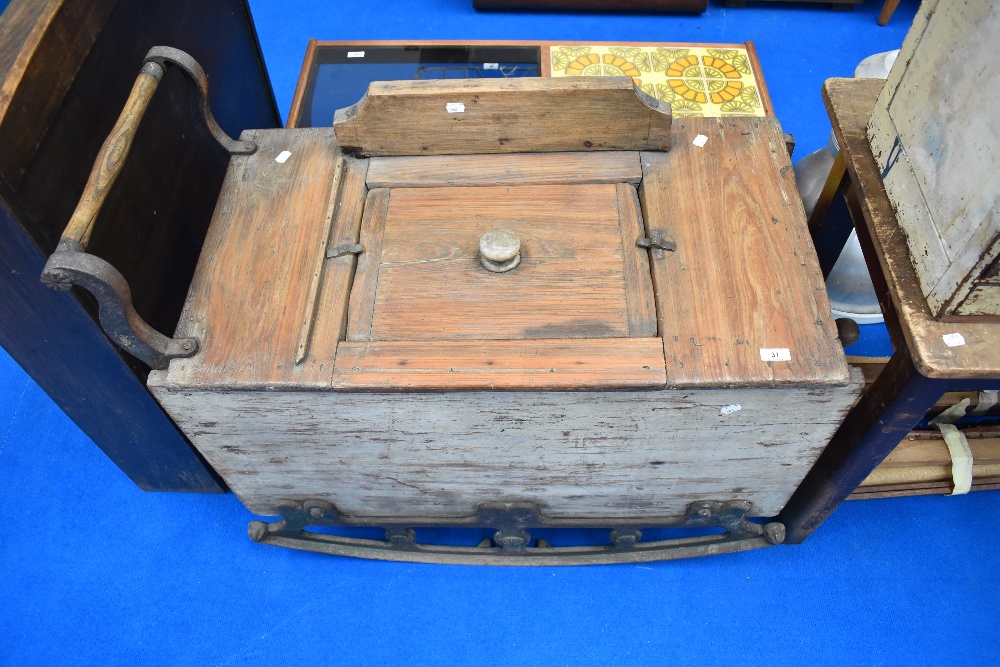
column 953, row 339
column 282, row 156
column 775, row 354
column 700, row 140
column 355, row 54
column 491, row 65
column 455, row 107
column 730, row 409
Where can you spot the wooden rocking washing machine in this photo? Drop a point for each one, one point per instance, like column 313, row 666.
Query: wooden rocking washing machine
column 495, row 303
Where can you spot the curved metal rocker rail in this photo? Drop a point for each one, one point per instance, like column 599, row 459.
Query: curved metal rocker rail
column 509, row 544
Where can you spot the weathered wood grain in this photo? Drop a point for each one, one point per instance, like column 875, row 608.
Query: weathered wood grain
column 111, row 160
column 511, row 169
column 640, row 302
column 44, row 44
column 330, row 321
column 608, row 363
column 309, row 315
column 920, row 489
column 578, row 454
column 362, row 302
column 518, row 115
column 745, row 275
column 937, row 150
column 431, row 286
column 930, row 449
column 250, row 293
column 850, row 103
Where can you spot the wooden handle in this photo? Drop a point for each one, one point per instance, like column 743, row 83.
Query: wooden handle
column 112, row 156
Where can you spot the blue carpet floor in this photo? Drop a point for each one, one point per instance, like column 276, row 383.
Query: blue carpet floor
column 95, row 572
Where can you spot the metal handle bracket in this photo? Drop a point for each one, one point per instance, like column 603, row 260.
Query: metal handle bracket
column 71, row 265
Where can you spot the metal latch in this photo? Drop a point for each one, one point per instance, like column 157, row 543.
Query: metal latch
column 348, row 249
column 657, row 242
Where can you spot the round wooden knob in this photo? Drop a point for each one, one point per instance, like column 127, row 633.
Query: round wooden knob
column 499, row 250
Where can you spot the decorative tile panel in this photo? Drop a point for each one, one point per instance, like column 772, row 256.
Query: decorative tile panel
column 695, row 80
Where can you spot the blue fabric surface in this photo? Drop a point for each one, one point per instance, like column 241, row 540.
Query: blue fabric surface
column 96, row 572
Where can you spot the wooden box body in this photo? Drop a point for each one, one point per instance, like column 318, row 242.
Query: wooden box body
column 597, row 380
column 936, row 137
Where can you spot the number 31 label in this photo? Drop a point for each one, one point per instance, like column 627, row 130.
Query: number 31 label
column 775, row 354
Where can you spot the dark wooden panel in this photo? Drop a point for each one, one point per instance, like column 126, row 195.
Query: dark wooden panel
column 155, row 218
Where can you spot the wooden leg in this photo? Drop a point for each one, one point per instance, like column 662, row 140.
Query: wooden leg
column 896, row 401
column 887, row 10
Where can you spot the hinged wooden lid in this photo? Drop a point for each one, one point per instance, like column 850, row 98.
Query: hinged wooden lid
column 569, row 294
column 740, row 302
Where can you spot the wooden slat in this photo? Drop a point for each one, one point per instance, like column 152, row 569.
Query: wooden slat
column 250, row 293
column 902, row 476
column 638, row 286
column 330, row 324
column 850, row 102
column 607, row 363
column 934, row 452
column 920, row 489
column 520, row 115
column 362, row 303
column 872, row 366
column 745, row 274
column 513, row 169
column 570, row 283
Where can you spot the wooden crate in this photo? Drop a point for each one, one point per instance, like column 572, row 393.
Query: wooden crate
column 598, row 381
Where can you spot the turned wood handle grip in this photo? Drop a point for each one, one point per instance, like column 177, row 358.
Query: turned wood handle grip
column 112, row 156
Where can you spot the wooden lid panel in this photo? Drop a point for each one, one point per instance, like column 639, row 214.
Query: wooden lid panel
column 421, row 278
column 250, row 296
column 744, row 282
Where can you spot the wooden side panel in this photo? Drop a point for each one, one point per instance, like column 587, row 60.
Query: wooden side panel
column 44, row 43
column 938, row 147
column 66, row 67
column 512, row 169
column 578, row 454
column 250, row 293
column 608, row 363
column 518, row 115
column 744, row 278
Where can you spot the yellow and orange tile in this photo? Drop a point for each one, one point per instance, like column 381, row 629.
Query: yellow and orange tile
column 695, row 80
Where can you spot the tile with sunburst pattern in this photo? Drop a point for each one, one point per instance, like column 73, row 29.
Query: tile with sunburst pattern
column 695, row 80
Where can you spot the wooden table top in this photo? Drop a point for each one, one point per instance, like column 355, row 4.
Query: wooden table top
column 849, row 103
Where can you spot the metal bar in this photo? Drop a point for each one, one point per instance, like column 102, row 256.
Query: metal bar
column 511, row 542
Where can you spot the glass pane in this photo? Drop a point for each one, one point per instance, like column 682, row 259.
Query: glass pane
column 340, row 75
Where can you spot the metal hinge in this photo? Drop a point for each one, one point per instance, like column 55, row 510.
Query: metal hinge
column 341, row 250
column 655, row 242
